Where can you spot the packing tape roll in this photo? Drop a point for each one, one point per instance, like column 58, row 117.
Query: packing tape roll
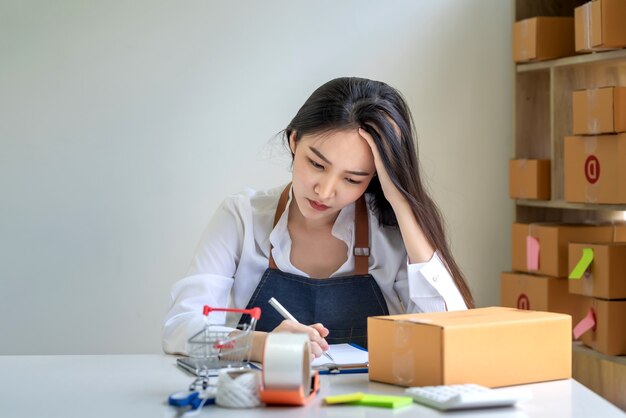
column 287, row 361
column 287, row 375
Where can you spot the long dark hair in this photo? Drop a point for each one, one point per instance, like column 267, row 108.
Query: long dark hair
column 350, row 103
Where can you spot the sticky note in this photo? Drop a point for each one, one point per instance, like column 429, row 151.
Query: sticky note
column 587, row 323
column 348, row 397
column 583, row 264
column 384, row 401
column 532, row 253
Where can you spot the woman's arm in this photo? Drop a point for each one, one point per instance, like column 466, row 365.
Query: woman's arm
column 209, row 280
column 418, row 248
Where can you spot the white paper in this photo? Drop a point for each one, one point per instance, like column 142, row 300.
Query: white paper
column 344, row 355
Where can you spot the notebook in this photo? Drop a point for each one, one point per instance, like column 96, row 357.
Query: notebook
column 349, row 358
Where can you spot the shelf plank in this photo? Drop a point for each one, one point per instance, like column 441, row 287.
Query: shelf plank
column 560, row 204
column 619, row 54
column 605, row 375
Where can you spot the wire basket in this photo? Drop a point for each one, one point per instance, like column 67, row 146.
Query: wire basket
column 218, row 346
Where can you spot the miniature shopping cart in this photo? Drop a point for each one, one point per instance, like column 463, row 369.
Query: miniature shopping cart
column 218, row 346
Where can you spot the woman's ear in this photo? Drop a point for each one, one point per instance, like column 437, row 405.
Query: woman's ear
column 292, row 142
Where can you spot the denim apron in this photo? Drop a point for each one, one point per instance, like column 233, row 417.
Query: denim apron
column 341, row 304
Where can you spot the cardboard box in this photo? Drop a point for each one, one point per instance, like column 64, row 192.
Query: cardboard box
column 553, row 240
column 606, row 276
column 619, row 232
column 600, row 25
column 599, row 111
column 539, row 293
column 489, row 346
column 609, row 334
column 595, row 168
column 529, row 179
column 541, row 38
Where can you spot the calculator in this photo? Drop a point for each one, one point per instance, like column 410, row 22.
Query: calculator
column 466, row 396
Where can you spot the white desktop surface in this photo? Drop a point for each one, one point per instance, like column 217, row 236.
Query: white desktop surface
column 118, row 386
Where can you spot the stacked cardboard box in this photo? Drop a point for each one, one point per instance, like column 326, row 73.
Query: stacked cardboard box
column 529, row 179
column 598, row 273
column 544, row 256
column 599, row 25
column 594, row 161
column 541, row 38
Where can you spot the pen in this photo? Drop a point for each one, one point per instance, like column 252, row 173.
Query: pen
column 285, row 314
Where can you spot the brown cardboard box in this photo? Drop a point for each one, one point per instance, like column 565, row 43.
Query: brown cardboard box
column 539, row 293
column 599, row 111
column 595, row 168
column 490, row 346
column 541, row 38
column 619, row 232
column 609, row 335
column 600, row 25
column 553, row 241
column 529, row 179
column 606, row 276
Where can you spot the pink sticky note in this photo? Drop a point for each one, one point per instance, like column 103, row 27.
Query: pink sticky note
column 532, row 253
column 585, row 324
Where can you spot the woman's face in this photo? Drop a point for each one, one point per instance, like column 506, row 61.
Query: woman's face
column 330, row 171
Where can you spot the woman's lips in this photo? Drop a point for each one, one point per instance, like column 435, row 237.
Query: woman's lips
column 317, row 206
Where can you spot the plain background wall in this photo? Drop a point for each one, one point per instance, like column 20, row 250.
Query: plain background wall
column 124, row 124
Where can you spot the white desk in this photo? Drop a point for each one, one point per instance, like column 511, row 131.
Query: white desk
column 117, row 386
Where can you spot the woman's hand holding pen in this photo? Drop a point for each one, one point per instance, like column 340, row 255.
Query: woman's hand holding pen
column 316, row 332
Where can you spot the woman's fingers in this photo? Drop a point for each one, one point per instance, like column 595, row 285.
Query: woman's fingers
column 315, row 332
column 316, row 350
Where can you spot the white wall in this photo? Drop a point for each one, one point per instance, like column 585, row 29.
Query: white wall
column 123, row 125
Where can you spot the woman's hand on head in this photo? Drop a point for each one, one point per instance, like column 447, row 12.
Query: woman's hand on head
column 316, row 332
column 391, row 192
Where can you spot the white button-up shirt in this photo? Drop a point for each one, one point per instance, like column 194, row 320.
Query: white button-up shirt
column 234, row 253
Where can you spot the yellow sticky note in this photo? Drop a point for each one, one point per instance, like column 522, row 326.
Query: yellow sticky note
column 348, row 397
column 583, row 264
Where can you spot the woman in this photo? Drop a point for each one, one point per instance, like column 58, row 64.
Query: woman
column 353, row 235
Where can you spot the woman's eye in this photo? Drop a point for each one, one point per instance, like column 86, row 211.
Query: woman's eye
column 316, row 165
column 349, row 180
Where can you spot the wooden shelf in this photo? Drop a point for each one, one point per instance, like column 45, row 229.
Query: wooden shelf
column 605, row 375
column 560, row 204
column 591, row 58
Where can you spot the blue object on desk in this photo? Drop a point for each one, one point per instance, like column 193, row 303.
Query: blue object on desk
column 191, row 400
column 340, row 370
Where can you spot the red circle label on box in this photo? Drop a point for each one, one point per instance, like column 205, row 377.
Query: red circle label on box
column 523, row 302
column 592, row 169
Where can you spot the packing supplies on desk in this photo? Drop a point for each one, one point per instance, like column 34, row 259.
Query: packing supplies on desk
column 529, row 179
column 603, row 326
column 368, row 399
column 539, row 293
column 492, row 347
column 595, row 168
column 599, row 25
column 599, row 111
column 348, row 358
column 598, row 270
column 541, row 38
column 287, row 376
column 541, row 248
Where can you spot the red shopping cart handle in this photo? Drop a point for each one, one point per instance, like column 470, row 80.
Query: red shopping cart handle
column 254, row 312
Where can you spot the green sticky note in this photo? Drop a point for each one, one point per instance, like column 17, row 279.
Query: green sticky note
column 384, row 401
column 348, row 397
column 583, row 264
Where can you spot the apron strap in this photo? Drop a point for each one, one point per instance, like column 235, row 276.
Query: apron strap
column 361, row 238
column 361, row 233
column 282, row 203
